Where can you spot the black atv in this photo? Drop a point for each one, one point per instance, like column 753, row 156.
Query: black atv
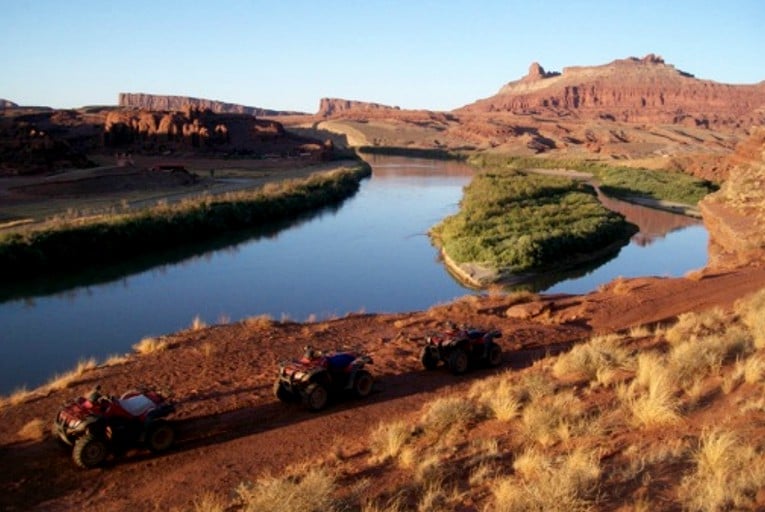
column 462, row 347
column 99, row 424
column 317, row 375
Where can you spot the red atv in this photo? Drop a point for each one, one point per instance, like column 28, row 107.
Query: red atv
column 99, row 424
column 461, row 347
column 317, row 375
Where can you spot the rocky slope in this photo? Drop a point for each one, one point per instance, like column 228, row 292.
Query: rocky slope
column 176, row 103
column 734, row 215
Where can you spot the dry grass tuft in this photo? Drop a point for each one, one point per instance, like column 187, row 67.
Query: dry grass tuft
column 691, row 326
column 450, row 413
column 499, row 396
column 310, row 492
column 727, row 476
column 698, row 356
column 149, row 345
column 116, row 360
column 595, row 360
column 34, row 430
column 569, row 482
column 754, row 369
column 388, row 440
column 258, row 322
column 547, row 420
column 752, row 313
column 62, row 381
column 209, row 502
column 197, row 324
column 651, row 396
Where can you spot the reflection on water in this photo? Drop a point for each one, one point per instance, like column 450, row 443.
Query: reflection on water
column 370, row 253
column 654, row 224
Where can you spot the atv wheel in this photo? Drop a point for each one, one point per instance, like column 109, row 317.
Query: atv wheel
column 160, row 436
column 494, row 358
column 282, row 393
column 458, row 361
column 89, row 451
column 362, row 384
column 428, row 359
column 315, row 397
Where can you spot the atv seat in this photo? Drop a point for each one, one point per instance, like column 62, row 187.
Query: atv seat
column 136, row 405
column 339, row 361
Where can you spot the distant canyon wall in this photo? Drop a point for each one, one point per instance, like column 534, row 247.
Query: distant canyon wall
column 159, row 102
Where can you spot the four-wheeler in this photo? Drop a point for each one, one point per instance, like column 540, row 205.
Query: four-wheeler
column 99, row 424
column 459, row 347
column 316, row 375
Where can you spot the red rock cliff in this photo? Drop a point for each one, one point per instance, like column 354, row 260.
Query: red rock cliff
column 629, row 90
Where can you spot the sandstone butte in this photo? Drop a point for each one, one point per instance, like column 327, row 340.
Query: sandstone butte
column 231, row 430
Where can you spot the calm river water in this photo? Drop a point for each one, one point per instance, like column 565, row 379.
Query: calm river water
column 371, row 253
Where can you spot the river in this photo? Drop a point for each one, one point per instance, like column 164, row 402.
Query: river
column 371, row 253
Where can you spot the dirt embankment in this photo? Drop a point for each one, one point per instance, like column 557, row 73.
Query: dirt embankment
column 231, row 429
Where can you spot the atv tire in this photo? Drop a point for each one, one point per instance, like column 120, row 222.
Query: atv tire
column 362, row 384
column 160, row 436
column 494, row 357
column 428, row 359
column 315, row 397
column 89, row 451
column 458, row 361
column 282, row 393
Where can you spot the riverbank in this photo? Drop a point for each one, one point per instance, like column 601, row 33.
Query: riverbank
column 81, row 243
column 234, row 436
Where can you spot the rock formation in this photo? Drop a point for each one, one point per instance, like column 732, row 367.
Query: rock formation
column 335, row 106
column 6, row 104
column 177, row 103
column 735, row 215
column 631, row 90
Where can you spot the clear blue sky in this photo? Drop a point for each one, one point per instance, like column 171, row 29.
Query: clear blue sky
column 288, row 54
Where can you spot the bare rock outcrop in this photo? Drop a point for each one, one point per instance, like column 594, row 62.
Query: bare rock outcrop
column 644, row 90
column 334, row 106
column 735, row 215
column 164, row 102
column 6, row 104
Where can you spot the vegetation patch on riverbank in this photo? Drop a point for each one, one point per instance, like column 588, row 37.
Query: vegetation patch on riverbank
column 617, row 181
column 79, row 244
column 514, row 222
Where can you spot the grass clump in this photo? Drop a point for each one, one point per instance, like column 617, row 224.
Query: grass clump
column 542, row 482
column 388, row 440
column 450, row 413
column 150, row 345
column 651, row 397
column 514, row 222
column 310, row 492
column 594, row 360
column 727, row 474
